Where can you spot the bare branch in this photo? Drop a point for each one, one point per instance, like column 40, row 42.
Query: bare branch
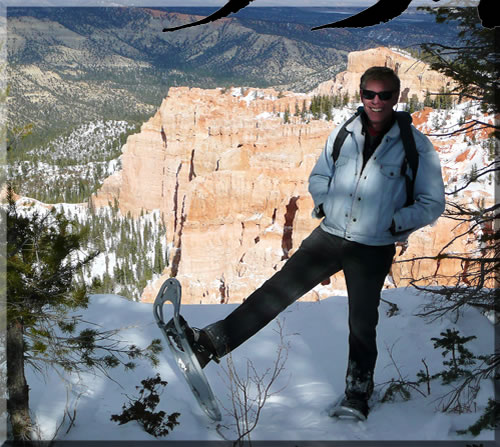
column 466, row 127
column 249, row 393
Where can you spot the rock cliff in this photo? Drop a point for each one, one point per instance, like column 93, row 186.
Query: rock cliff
column 231, row 180
column 416, row 76
column 230, row 177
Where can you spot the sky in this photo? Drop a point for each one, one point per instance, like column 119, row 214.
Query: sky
column 216, row 3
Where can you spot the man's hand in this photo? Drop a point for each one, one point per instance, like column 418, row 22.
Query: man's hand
column 403, row 245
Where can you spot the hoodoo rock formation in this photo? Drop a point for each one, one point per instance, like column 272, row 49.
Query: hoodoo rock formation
column 230, row 174
column 231, row 180
column 416, row 76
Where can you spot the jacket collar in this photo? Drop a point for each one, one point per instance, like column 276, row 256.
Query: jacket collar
column 356, row 126
column 394, row 131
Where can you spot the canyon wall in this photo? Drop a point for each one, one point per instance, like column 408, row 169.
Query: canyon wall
column 230, row 177
column 416, row 76
column 231, row 180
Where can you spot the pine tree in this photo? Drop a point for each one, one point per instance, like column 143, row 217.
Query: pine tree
column 159, row 262
column 39, row 285
column 303, row 111
column 474, row 62
column 43, row 260
column 286, row 116
column 345, row 99
column 413, row 105
column 454, row 344
column 427, row 99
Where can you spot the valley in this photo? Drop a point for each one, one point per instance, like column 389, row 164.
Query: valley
column 69, row 66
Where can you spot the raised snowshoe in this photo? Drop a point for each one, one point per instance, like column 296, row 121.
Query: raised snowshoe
column 188, row 354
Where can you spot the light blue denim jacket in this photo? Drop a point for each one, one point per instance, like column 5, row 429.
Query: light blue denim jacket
column 360, row 205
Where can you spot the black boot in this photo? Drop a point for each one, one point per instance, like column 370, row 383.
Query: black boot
column 199, row 341
column 358, row 404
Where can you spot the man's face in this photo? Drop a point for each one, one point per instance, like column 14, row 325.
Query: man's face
column 379, row 111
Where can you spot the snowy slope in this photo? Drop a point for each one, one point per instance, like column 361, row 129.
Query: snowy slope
column 313, row 376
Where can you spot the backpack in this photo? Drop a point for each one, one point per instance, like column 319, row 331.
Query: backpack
column 411, row 155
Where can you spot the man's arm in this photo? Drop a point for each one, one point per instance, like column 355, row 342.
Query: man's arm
column 321, row 175
column 428, row 190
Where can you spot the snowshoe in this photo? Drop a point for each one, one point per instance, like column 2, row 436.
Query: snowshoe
column 181, row 341
column 352, row 408
column 193, row 336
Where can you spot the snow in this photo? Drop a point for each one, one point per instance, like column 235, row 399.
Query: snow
column 248, row 95
column 264, row 116
column 313, row 377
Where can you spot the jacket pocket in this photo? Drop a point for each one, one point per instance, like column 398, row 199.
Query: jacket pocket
column 391, row 195
column 392, row 172
column 343, row 179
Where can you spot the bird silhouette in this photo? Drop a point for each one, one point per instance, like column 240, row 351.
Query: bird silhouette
column 486, row 12
column 382, row 11
column 229, row 7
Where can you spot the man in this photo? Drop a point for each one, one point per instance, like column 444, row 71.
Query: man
column 361, row 198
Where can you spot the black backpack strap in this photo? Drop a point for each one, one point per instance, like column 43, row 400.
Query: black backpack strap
column 411, row 155
column 342, row 135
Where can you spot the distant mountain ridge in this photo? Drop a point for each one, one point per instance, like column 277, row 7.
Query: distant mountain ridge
column 72, row 65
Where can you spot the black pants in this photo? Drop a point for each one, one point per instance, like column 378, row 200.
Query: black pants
column 320, row 256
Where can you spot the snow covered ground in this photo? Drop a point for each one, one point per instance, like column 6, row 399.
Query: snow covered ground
column 313, row 377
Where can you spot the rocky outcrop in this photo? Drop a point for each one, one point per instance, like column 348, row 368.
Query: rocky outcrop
column 416, row 76
column 230, row 178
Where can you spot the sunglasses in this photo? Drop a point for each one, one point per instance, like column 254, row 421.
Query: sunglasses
column 384, row 96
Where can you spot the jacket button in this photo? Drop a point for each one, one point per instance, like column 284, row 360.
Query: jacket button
column 359, row 198
column 354, row 220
